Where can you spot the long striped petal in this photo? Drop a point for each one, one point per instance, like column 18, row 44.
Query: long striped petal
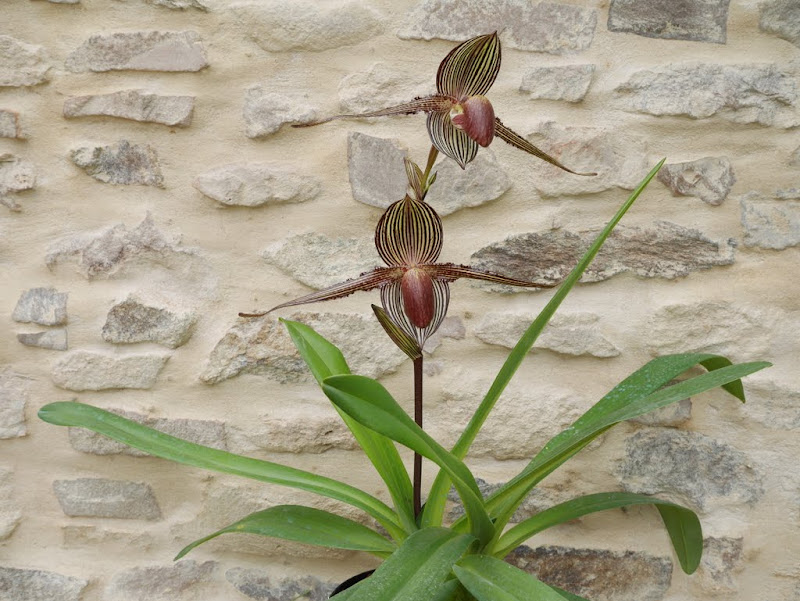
column 450, row 272
column 470, row 68
column 409, row 233
column 366, row 281
column 418, row 105
column 392, row 301
column 450, row 140
column 513, row 138
column 399, row 336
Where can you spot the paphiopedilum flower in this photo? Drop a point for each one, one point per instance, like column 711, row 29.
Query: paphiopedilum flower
column 414, row 288
column 460, row 117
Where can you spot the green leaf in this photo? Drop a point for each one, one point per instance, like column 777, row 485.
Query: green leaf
column 305, row 525
column 371, row 404
column 434, row 507
column 325, row 359
column 682, row 524
column 181, row 451
column 490, row 579
column 417, row 569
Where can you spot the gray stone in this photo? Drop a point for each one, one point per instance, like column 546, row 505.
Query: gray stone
column 781, row 17
column 55, row 340
column 773, row 404
column 10, row 126
column 569, row 83
column 178, row 4
column 140, row 51
column 772, row 224
column 22, row 64
column 257, row 584
column 540, row 27
column 665, row 251
column 87, row 370
column 209, row 433
column 297, row 25
column 13, row 396
column 103, row 498
column 261, row 346
column 64, row 1
column 136, row 105
column 10, row 513
column 124, row 163
column 45, row 306
column 754, row 93
column 710, row 327
column 795, row 158
column 696, row 20
column 266, row 111
column 319, row 261
column 39, row 585
column 670, row 416
column 306, row 433
column 256, row 184
column 381, row 86
column 16, row 175
column 377, row 173
column 710, row 179
column 482, row 181
column 597, row 574
column 180, row 581
column 689, row 468
column 134, row 320
column 569, row 334
column 722, row 559
column 788, row 194
column 620, row 159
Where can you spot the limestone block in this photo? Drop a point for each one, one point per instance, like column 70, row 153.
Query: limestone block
column 768, row 223
column 39, row 585
column 722, row 560
column 376, row 168
column 16, row 175
column 257, row 584
column 123, row 163
column 45, row 306
column 13, row 396
column 481, row 182
column 10, row 125
column 266, row 111
column 103, row 498
column 781, row 17
column 773, row 404
column 710, row 179
column 55, row 340
column 22, row 64
column 185, row 580
column 134, row 320
column 569, row 83
column 10, row 511
column 381, row 85
column 698, row 20
column 88, row 370
column 140, row 51
column 135, row 105
column 256, row 184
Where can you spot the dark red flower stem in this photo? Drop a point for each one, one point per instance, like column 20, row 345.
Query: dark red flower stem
column 418, row 419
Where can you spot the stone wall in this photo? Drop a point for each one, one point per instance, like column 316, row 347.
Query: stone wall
column 152, row 189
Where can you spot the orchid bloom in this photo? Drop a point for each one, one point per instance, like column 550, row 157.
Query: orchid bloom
column 460, row 117
column 414, row 288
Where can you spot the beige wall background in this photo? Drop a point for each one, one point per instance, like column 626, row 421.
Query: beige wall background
column 141, row 225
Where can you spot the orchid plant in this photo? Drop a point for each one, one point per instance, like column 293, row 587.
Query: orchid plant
column 423, row 559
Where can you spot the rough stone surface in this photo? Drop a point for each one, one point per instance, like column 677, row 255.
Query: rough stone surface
column 292, row 25
column 140, row 51
column 690, row 468
column 102, row 498
column 756, row 93
column 712, row 327
column 665, row 251
column 377, row 174
column 87, row 370
column 257, row 584
column 773, row 404
column 22, row 64
column 64, row 1
column 483, row 181
column 670, row 416
column 136, row 105
column 379, row 86
column 569, row 334
column 722, row 559
column 45, row 306
column 307, row 433
column 266, row 111
column 781, row 17
column 39, row 585
column 597, row 574
column 620, row 159
column 181, row 581
column 16, row 175
column 256, row 184
column 696, row 20
column 569, row 83
column 319, row 261
column 123, row 163
column 55, row 340
column 209, row 433
column 179, row 4
column 116, row 540
column 768, row 223
column 262, row 347
column 134, row 320
column 10, row 125
column 540, row 27
column 795, row 158
column 10, row 513
column 13, row 396
column 710, row 179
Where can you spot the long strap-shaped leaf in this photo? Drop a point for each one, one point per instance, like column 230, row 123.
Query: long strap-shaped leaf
column 324, row 360
column 490, row 579
column 305, row 525
column 182, row 451
column 367, row 401
column 434, row 507
column 682, row 524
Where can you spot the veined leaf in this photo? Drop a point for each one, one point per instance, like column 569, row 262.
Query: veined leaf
column 182, row 451
column 371, row 404
column 490, row 579
column 305, row 525
column 682, row 524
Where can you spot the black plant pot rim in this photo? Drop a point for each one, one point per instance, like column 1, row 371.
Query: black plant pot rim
column 351, row 581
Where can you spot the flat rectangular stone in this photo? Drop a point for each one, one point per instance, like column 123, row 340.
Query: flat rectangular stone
column 22, row 64
column 55, row 340
column 10, row 126
column 696, row 20
column 86, row 370
column 45, row 306
column 102, row 498
column 39, row 585
column 13, row 396
column 773, row 224
column 135, row 105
